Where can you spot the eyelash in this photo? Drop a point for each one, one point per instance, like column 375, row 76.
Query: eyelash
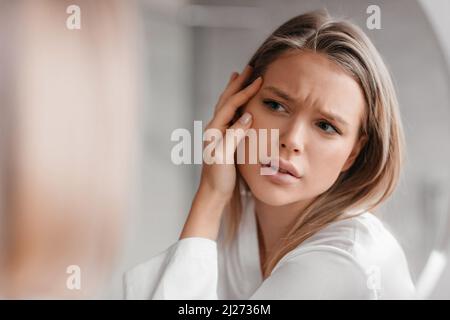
column 269, row 103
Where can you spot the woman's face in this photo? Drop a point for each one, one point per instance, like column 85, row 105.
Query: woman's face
column 300, row 91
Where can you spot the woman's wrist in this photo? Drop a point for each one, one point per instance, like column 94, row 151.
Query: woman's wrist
column 205, row 215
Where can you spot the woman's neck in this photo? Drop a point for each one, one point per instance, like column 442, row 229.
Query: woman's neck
column 274, row 222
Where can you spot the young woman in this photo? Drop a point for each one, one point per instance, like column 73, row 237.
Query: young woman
column 305, row 232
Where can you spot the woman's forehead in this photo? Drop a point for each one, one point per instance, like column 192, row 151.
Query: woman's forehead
column 313, row 79
column 308, row 70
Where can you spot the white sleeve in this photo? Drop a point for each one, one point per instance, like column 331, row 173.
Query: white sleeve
column 187, row 270
column 316, row 274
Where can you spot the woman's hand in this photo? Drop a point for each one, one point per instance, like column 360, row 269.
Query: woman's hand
column 218, row 179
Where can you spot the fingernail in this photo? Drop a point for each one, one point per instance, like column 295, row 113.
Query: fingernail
column 257, row 80
column 245, row 118
column 234, row 75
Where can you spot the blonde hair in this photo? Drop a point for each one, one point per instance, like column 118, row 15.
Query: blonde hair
column 375, row 172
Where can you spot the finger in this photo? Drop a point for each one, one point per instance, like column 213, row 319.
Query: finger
column 226, row 113
column 234, row 85
column 235, row 134
column 233, row 77
column 238, row 82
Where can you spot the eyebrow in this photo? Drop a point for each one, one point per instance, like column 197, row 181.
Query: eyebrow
column 283, row 95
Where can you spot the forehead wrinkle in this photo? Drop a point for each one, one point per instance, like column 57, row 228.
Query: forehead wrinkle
column 307, row 101
column 310, row 91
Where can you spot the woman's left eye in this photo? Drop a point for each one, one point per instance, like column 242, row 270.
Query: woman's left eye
column 326, row 126
column 274, row 106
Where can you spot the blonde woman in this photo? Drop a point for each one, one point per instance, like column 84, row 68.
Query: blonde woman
column 307, row 231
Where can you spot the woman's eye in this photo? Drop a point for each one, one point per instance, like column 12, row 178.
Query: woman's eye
column 274, row 106
column 327, row 127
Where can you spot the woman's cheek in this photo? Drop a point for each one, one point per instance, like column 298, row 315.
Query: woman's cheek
column 327, row 163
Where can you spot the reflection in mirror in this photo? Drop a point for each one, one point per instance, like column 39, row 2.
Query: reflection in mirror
column 87, row 115
column 219, row 36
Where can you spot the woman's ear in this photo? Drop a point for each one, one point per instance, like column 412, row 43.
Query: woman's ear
column 355, row 152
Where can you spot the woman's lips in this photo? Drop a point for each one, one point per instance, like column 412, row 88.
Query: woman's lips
column 280, row 177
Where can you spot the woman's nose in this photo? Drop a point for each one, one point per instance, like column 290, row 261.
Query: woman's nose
column 290, row 147
column 293, row 140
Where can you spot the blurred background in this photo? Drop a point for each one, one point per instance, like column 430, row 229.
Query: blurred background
column 86, row 176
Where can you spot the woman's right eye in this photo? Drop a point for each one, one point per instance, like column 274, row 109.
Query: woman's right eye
column 274, row 106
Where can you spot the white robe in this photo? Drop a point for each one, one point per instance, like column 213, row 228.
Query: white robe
column 356, row 258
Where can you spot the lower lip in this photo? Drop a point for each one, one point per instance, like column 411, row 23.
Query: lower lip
column 281, row 178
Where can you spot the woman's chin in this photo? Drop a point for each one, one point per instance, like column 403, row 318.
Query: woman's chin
column 273, row 196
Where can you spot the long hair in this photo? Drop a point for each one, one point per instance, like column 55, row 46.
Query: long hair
column 375, row 172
